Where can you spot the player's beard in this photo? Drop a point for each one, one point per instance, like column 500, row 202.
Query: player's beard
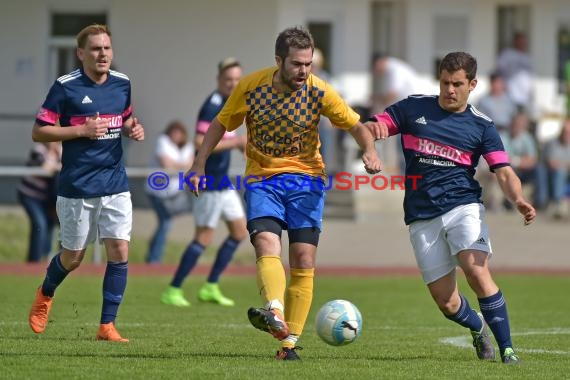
column 288, row 81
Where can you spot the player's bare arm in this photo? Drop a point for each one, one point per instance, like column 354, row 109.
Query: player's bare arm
column 94, row 127
column 211, row 139
column 511, row 186
column 133, row 129
column 238, row 142
column 379, row 129
column 365, row 140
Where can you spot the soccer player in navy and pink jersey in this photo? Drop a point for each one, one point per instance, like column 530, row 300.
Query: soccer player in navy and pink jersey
column 219, row 201
column 89, row 110
column 443, row 137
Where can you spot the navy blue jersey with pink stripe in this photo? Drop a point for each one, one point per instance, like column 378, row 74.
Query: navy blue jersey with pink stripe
column 218, row 164
column 90, row 168
column 442, row 150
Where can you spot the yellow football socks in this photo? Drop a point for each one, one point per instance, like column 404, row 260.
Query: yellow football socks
column 271, row 279
column 298, row 299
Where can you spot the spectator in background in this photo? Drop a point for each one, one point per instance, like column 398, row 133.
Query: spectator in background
column 38, row 194
column 521, row 147
column 515, row 65
column 557, row 155
column 567, row 86
column 173, row 152
column 497, row 104
column 325, row 126
column 392, row 81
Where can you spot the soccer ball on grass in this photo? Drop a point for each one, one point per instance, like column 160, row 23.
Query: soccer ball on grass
column 338, row 323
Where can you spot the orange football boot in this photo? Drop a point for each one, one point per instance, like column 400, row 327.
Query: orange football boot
column 38, row 317
column 107, row 331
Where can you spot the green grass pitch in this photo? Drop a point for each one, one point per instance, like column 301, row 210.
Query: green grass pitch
column 404, row 335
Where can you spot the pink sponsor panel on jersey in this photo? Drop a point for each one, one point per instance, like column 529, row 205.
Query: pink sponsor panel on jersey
column 392, row 127
column 115, row 121
column 495, row 158
column 47, row 116
column 435, row 148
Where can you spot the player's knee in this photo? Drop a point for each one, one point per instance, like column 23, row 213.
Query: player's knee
column 448, row 306
column 239, row 233
column 266, row 224
column 71, row 260
column 309, row 235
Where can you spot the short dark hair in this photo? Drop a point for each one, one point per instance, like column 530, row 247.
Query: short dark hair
column 297, row 37
column 459, row 60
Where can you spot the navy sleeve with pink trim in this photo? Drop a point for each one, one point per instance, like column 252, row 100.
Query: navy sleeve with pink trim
column 90, row 168
column 218, row 164
column 442, row 150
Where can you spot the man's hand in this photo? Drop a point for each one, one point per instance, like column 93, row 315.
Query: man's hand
column 95, row 127
column 199, row 172
column 372, row 162
column 378, row 129
column 136, row 131
column 527, row 211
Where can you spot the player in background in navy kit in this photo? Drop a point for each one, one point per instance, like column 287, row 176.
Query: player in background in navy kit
column 88, row 110
column 218, row 201
column 443, row 138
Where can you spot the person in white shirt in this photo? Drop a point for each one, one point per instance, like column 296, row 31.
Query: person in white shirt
column 173, row 152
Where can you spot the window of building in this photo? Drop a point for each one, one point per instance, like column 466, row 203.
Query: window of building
column 64, row 28
column 510, row 20
column 322, row 34
column 563, row 64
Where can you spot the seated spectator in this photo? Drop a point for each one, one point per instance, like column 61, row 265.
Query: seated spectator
column 557, row 156
column 38, row 195
column 521, row 147
column 497, row 104
column 173, row 152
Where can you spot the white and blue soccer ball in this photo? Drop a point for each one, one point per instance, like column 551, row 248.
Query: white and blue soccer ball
column 338, row 322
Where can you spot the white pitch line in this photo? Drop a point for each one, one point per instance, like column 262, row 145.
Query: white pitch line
column 465, row 342
column 129, row 324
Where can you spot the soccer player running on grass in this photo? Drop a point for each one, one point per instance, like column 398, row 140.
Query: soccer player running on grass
column 88, row 110
column 219, row 201
column 443, row 138
column 282, row 106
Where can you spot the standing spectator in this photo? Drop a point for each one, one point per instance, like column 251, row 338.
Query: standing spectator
column 557, row 155
column 515, row 65
column 392, row 81
column 281, row 106
column 444, row 138
column 219, row 201
column 37, row 194
column 567, row 86
column 497, row 104
column 89, row 110
column 173, row 152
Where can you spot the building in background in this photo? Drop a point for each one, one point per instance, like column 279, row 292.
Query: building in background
column 168, row 48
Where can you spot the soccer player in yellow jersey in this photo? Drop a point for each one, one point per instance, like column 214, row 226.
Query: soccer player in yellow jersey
column 281, row 107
